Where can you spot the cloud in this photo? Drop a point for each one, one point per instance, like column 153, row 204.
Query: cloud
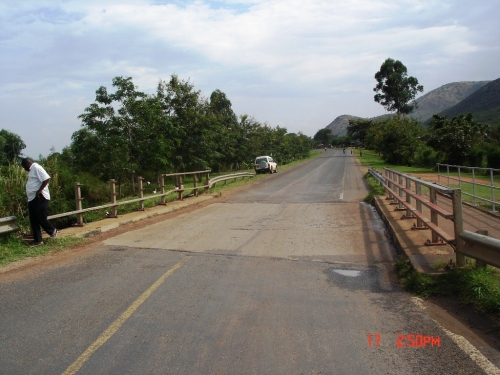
column 277, row 52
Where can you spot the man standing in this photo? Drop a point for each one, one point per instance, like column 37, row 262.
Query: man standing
column 38, row 194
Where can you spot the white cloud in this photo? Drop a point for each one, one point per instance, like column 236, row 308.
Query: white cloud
column 311, row 51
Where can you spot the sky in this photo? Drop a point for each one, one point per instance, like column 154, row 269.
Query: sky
column 289, row 63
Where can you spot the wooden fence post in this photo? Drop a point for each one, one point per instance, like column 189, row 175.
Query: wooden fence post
column 141, row 194
column 195, row 190
column 162, row 189
column 78, row 204
column 112, row 193
column 180, row 187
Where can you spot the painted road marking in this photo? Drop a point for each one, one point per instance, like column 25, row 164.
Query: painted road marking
column 478, row 357
column 113, row 328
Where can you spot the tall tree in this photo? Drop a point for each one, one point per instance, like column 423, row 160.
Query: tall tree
column 128, row 128
column 358, row 129
column 457, row 137
column 323, row 136
column 11, row 147
column 397, row 139
column 187, row 110
column 394, row 89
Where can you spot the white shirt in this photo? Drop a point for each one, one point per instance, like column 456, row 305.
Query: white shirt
column 36, row 176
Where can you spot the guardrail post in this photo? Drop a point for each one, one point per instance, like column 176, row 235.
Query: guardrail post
column 207, row 180
column 458, row 225
column 141, row 194
column 78, row 205
column 112, row 193
column 162, row 190
column 195, row 190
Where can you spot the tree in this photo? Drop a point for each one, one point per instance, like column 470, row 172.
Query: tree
column 323, row 136
column 125, row 132
column 457, row 137
column 396, row 139
column 358, row 129
column 394, row 88
column 11, row 146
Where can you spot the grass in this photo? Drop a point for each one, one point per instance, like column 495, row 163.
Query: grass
column 374, row 187
column 13, row 248
column 370, row 159
column 479, row 287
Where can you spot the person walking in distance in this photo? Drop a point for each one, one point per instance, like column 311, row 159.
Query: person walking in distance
column 37, row 191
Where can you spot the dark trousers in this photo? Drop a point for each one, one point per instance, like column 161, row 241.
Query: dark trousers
column 37, row 209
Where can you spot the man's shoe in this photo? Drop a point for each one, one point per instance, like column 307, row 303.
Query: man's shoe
column 33, row 244
column 54, row 234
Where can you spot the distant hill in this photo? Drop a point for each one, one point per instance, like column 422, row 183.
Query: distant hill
column 338, row 127
column 484, row 104
column 435, row 101
column 444, row 97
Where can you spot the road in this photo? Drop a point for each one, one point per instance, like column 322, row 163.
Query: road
column 290, row 276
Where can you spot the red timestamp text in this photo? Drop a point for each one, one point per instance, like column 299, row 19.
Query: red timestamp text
column 407, row 341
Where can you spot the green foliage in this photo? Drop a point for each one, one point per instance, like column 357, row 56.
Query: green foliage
column 323, row 136
column 456, row 138
column 394, row 88
column 374, row 187
column 477, row 286
column 126, row 133
column 11, row 147
column 358, row 129
column 12, row 193
column 396, row 139
column 14, row 248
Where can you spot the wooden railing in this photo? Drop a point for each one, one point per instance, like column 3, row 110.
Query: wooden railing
column 178, row 189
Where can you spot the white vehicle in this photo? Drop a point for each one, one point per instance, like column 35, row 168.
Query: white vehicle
column 265, row 164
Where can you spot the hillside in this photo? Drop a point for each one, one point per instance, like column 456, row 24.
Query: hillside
column 444, row 97
column 338, row 127
column 484, row 104
column 435, row 101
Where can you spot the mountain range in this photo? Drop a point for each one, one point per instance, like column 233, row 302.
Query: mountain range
column 481, row 98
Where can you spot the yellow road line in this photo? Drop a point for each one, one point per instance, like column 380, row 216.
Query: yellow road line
column 106, row 335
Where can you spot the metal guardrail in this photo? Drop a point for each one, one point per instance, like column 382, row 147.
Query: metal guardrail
column 8, row 225
column 486, row 250
column 226, row 177
column 481, row 247
column 399, row 186
column 477, row 184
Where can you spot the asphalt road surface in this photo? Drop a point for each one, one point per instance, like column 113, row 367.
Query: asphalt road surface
column 290, row 276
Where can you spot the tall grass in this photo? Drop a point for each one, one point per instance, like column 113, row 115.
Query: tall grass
column 477, row 286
